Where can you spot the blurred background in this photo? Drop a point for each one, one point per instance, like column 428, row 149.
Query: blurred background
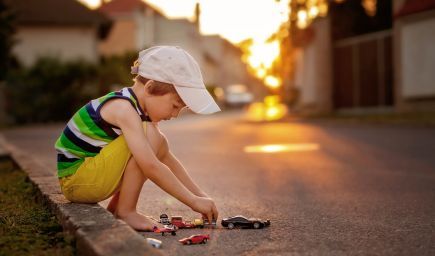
column 273, row 58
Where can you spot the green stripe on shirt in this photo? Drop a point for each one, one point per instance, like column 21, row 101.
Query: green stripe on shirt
column 93, row 132
column 63, row 172
column 90, row 124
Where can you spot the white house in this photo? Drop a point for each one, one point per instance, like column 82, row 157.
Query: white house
column 64, row 29
column 414, row 54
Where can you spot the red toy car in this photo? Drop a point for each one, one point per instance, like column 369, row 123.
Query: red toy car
column 195, row 239
column 166, row 229
column 178, row 221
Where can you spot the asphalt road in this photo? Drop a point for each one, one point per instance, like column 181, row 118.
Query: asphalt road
column 356, row 189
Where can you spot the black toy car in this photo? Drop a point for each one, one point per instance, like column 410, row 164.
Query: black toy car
column 243, row 222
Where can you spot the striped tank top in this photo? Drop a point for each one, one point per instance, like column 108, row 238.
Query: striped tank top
column 87, row 133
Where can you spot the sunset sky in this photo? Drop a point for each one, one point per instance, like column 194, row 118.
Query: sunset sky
column 235, row 20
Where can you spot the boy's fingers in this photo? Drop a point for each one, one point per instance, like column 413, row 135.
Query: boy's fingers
column 210, row 217
column 214, row 212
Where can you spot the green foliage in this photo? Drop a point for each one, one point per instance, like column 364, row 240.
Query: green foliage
column 115, row 70
column 49, row 90
column 26, row 227
column 52, row 90
column 6, row 41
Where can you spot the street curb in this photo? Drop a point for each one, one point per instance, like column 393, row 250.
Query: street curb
column 97, row 232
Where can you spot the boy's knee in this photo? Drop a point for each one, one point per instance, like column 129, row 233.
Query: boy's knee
column 154, row 137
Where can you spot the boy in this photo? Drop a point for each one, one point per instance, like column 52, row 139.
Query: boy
column 112, row 145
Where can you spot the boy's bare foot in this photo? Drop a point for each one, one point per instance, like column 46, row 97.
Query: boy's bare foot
column 139, row 222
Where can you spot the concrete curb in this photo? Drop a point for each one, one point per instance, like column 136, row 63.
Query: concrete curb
column 96, row 231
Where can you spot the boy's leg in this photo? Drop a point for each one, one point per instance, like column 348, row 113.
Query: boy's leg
column 131, row 186
column 113, row 203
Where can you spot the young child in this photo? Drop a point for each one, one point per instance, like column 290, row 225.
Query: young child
column 112, row 145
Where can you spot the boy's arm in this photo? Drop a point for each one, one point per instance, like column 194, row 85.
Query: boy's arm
column 178, row 169
column 125, row 117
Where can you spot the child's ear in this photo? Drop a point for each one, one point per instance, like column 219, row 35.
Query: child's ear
column 148, row 84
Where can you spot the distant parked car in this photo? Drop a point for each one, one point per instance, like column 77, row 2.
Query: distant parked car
column 237, row 95
column 195, row 239
column 243, row 222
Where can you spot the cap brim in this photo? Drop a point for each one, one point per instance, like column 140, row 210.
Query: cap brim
column 198, row 100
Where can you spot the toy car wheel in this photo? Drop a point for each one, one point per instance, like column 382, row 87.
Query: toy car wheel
column 189, row 242
column 163, row 233
column 173, row 233
column 256, row 225
column 204, row 241
column 230, row 225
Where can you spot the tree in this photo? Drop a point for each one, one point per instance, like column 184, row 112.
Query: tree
column 6, row 40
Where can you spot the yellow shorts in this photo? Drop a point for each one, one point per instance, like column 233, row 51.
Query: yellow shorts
column 98, row 177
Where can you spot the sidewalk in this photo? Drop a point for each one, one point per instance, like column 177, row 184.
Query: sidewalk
column 96, row 231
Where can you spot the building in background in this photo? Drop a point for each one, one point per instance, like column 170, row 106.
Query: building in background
column 63, row 29
column 138, row 25
column 352, row 62
column 414, row 55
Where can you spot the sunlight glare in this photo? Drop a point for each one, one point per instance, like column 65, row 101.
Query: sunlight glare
column 91, row 3
column 263, row 54
column 277, row 148
column 272, row 82
column 313, row 12
column 260, row 55
column 323, row 9
column 269, row 110
column 302, row 21
column 261, row 72
column 370, row 7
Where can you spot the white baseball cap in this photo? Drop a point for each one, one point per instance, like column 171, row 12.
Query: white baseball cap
column 173, row 65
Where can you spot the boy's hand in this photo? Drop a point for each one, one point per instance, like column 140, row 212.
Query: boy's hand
column 206, row 207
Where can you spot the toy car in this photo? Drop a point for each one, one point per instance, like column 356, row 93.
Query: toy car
column 154, row 242
column 178, row 221
column 243, row 222
column 204, row 223
column 166, row 229
column 164, row 219
column 207, row 224
column 195, row 239
column 199, row 223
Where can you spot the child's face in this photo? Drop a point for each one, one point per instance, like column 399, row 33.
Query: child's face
column 164, row 107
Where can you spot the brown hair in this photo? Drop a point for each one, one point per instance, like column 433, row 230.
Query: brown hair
column 157, row 88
